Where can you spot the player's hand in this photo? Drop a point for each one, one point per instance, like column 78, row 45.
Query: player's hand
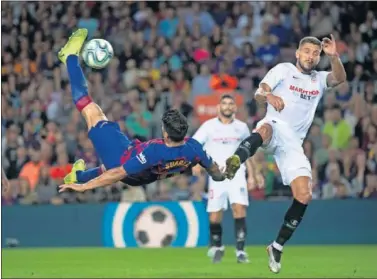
column 251, row 184
column 276, row 102
column 255, row 182
column 223, row 173
column 260, row 180
column 329, row 46
column 74, row 187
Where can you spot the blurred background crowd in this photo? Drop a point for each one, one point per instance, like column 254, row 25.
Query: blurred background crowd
column 174, row 54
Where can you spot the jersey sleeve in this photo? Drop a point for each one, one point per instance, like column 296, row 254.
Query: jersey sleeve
column 201, row 134
column 140, row 162
column 323, row 78
column 245, row 132
column 202, row 156
column 274, row 76
column 206, row 161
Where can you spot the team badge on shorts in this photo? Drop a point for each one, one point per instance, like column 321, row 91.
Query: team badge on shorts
column 243, row 191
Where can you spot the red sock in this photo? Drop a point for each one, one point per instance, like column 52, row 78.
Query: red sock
column 83, row 102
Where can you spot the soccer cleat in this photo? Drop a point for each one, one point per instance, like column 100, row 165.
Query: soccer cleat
column 274, row 257
column 74, row 44
column 233, row 163
column 242, row 257
column 216, row 253
column 71, row 178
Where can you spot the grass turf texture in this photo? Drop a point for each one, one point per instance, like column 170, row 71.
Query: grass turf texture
column 298, row 262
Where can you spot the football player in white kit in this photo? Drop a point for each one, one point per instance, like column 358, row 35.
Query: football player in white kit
column 221, row 136
column 292, row 93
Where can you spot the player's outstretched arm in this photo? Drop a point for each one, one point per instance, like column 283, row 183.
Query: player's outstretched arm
column 107, row 178
column 208, row 164
column 215, row 172
column 338, row 73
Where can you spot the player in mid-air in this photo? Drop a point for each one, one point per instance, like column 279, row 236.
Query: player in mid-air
column 134, row 163
column 292, row 93
column 220, row 137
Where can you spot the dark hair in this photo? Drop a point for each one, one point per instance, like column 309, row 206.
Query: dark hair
column 175, row 124
column 310, row 40
column 226, row 96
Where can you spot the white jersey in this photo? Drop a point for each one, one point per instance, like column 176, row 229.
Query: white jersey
column 221, row 140
column 301, row 94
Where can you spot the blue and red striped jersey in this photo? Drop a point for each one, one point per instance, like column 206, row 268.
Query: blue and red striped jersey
column 146, row 162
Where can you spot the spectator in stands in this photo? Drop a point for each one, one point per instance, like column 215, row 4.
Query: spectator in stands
column 269, row 50
column 46, row 188
column 167, row 56
column 222, row 81
column 163, row 192
column 31, row 170
column 167, row 27
column 138, row 122
column 180, row 84
column 201, row 83
column 133, row 194
column 338, row 129
column 181, row 190
column 199, row 15
column 338, row 186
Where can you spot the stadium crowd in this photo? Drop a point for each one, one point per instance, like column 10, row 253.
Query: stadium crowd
column 169, row 54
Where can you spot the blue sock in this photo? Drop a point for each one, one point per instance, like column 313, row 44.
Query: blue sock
column 78, row 82
column 87, row 175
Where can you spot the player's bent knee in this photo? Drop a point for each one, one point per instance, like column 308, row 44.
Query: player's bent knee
column 93, row 114
column 215, row 217
column 265, row 131
column 301, row 188
column 304, row 198
column 239, row 210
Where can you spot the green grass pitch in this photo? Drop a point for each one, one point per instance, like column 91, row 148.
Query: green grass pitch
column 298, row 262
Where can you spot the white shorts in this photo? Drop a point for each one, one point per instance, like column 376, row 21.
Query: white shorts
column 287, row 150
column 234, row 190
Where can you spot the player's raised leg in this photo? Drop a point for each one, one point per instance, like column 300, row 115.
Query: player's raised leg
column 302, row 194
column 247, row 149
column 69, row 55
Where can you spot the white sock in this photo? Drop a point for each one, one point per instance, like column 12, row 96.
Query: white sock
column 277, row 246
column 240, row 252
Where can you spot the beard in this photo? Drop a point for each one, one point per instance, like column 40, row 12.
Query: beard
column 306, row 69
column 226, row 113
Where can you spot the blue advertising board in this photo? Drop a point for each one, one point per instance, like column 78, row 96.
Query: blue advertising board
column 181, row 224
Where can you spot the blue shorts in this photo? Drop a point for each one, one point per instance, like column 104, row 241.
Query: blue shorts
column 109, row 142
